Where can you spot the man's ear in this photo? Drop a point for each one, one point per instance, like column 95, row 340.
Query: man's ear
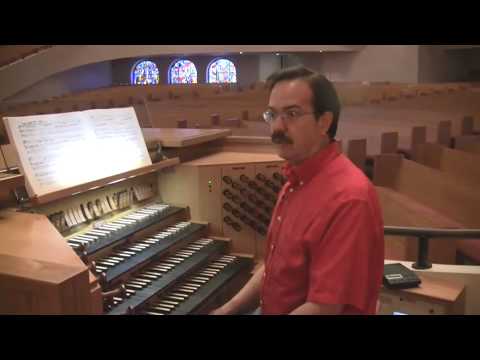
column 325, row 121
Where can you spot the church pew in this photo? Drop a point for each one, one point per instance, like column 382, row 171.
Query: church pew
column 444, row 133
column 418, row 136
column 442, row 198
column 402, row 210
column 468, row 143
column 357, row 152
column 389, row 142
column 461, row 165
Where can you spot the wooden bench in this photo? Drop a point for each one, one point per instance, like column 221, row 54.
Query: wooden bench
column 182, row 124
column 215, row 119
column 444, row 133
column 232, row 122
column 403, row 210
column 357, row 152
column 426, row 197
column 389, row 143
column 418, row 137
column 461, row 165
column 468, row 143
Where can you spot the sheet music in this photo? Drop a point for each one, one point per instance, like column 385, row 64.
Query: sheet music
column 58, row 151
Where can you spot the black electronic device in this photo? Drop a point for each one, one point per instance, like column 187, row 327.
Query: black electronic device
column 398, row 276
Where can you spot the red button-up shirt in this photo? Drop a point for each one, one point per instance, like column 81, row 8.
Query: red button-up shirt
column 325, row 242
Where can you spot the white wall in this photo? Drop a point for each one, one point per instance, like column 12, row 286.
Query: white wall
column 82, row 78
column 440, row 64
column 64, row 57
column 267, row 64
column 395, row 63
column 469, row 62
column 435, row 64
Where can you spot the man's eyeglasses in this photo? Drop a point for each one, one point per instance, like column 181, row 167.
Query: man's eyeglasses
column 288, row 116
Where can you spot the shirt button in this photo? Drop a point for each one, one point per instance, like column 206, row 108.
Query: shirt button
column 291, row 189
column 279, row 218
column 301, row 183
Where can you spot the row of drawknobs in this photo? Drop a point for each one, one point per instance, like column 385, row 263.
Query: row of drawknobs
column 254, row 186
column 269, row 198
column 259, row 226
column 247, row 199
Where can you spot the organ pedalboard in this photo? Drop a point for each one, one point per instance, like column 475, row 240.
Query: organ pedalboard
column 148, row 257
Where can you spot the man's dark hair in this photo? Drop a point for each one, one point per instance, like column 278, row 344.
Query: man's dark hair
column 324, row 96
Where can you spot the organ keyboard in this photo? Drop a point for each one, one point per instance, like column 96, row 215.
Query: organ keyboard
column 190, row 295
column 138, row 248
column 124, row 258
column 166, row 276
column 108, row 233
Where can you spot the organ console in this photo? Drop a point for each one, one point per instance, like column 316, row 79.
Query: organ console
column 118, row 245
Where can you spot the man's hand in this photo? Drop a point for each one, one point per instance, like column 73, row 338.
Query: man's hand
column 222, row 310
column 317, row 309
column 246, row 300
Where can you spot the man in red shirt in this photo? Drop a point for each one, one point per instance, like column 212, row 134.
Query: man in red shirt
column 325, row 241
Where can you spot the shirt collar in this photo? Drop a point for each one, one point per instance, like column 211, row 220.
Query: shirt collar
column 311, row 166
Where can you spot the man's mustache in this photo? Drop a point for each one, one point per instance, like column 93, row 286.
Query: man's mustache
column 279, row 137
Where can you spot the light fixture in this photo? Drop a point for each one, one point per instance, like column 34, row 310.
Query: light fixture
column 241, row 52
column 278, row 54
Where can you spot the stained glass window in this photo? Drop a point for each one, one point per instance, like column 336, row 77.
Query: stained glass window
column 182, row 72
column 145, row 73
column 221, row 71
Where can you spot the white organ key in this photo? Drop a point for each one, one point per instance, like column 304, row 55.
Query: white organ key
column 87, row 212
column 67, row 219
column 96, row 210
column 111, row 202
column 81, row 241
column 73, row 217
column 78, row 217
column 105, row 207
column 80, row 213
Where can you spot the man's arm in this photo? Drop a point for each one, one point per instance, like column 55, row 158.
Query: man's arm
column 310, row 308
column 348, row 261
column 246, row 300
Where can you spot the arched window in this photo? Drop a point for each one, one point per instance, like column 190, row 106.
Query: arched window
column 145, row 73
column 182, row 72
column 221, row 71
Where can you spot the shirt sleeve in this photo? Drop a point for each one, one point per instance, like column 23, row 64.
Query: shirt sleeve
column 346, row 257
